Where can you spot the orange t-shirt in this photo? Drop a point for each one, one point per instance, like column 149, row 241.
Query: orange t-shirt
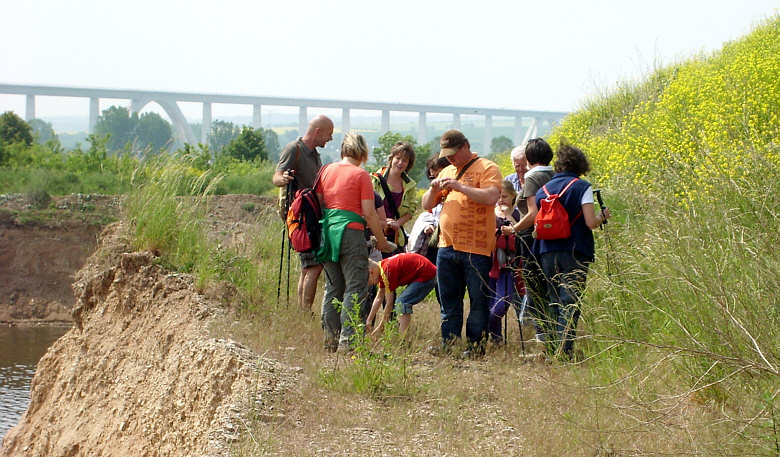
column 343, row 186
column 465, row 225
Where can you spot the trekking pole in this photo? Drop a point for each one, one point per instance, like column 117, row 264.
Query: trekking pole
column 521, row 313
column 281, row 263
column 506, row 316
column 517, row 263
column 523, row 304
column 602, row 226
column 281, row 251
column 289, row 245
column 289, row 248
column 506, row 319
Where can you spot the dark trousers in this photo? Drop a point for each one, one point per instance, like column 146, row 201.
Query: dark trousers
column 535, row 287
column 566, row 273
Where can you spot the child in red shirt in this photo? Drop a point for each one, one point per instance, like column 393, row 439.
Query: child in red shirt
column 405, row 269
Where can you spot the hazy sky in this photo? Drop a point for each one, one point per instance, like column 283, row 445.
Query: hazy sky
column 541, row 55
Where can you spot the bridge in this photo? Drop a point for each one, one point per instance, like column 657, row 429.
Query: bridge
column 168, row 101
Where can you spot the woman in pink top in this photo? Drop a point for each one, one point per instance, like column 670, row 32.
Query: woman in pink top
column 347, row 198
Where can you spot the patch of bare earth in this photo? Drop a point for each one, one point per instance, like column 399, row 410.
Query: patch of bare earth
column 41, row 249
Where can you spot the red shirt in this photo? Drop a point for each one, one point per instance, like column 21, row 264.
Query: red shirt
column 404, row 269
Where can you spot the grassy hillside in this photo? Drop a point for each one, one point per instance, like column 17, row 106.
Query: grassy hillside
column 688, row 276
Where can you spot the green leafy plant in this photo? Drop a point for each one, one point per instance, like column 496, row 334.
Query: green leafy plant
column 377, row 369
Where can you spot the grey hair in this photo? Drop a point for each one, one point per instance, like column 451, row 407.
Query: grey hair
column 518, row 151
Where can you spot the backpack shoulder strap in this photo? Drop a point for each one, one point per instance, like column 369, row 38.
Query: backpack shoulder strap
column 404, row 176
column 297, row 156
column 560, row 194
column 317, row 179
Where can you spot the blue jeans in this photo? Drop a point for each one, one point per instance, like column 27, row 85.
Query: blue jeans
column 413, row 294
column 457, row 272
column 565, row 273
column 345, row 280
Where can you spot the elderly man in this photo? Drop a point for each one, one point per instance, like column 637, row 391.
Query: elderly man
column 521, row 166
column 299, row 163
column 469, row 189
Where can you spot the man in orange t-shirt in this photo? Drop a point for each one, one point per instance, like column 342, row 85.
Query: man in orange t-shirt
column 469, row 189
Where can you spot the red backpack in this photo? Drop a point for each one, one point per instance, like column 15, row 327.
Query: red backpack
column 303, row 219
column 552, row 220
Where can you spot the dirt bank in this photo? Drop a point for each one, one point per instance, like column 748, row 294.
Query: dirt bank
column 42, row 245
column 139, row 373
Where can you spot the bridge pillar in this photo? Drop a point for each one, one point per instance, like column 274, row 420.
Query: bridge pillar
column 518, row 138
column 344, row 120
column 422, row 127
column 29, row 113
column 205, row 126
column 488, row 135
column 303, row 124
column 94, row 109
column 256, row 117
column 456, row 121
column 385, row 124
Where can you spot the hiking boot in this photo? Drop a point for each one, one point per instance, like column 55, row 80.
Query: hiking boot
column 541, row 358
column 330, row 345
column 345, row 349
column 439, row 350
column 472, row 353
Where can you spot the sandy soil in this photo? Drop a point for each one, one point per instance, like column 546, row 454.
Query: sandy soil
column 139, row 373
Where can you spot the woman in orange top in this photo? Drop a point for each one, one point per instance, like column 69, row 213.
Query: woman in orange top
column 347, row 198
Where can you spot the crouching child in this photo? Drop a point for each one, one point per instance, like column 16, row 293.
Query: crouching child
column 405, row 269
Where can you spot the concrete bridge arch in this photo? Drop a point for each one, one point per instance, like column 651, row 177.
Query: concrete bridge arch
column 180, row 124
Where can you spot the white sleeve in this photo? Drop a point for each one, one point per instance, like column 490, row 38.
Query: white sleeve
column 587, row 196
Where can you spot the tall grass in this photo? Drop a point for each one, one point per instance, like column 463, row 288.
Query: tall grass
column 164, row 221
column 167, row 212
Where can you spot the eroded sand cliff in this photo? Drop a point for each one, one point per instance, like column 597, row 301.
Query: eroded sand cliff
column 140, row 373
